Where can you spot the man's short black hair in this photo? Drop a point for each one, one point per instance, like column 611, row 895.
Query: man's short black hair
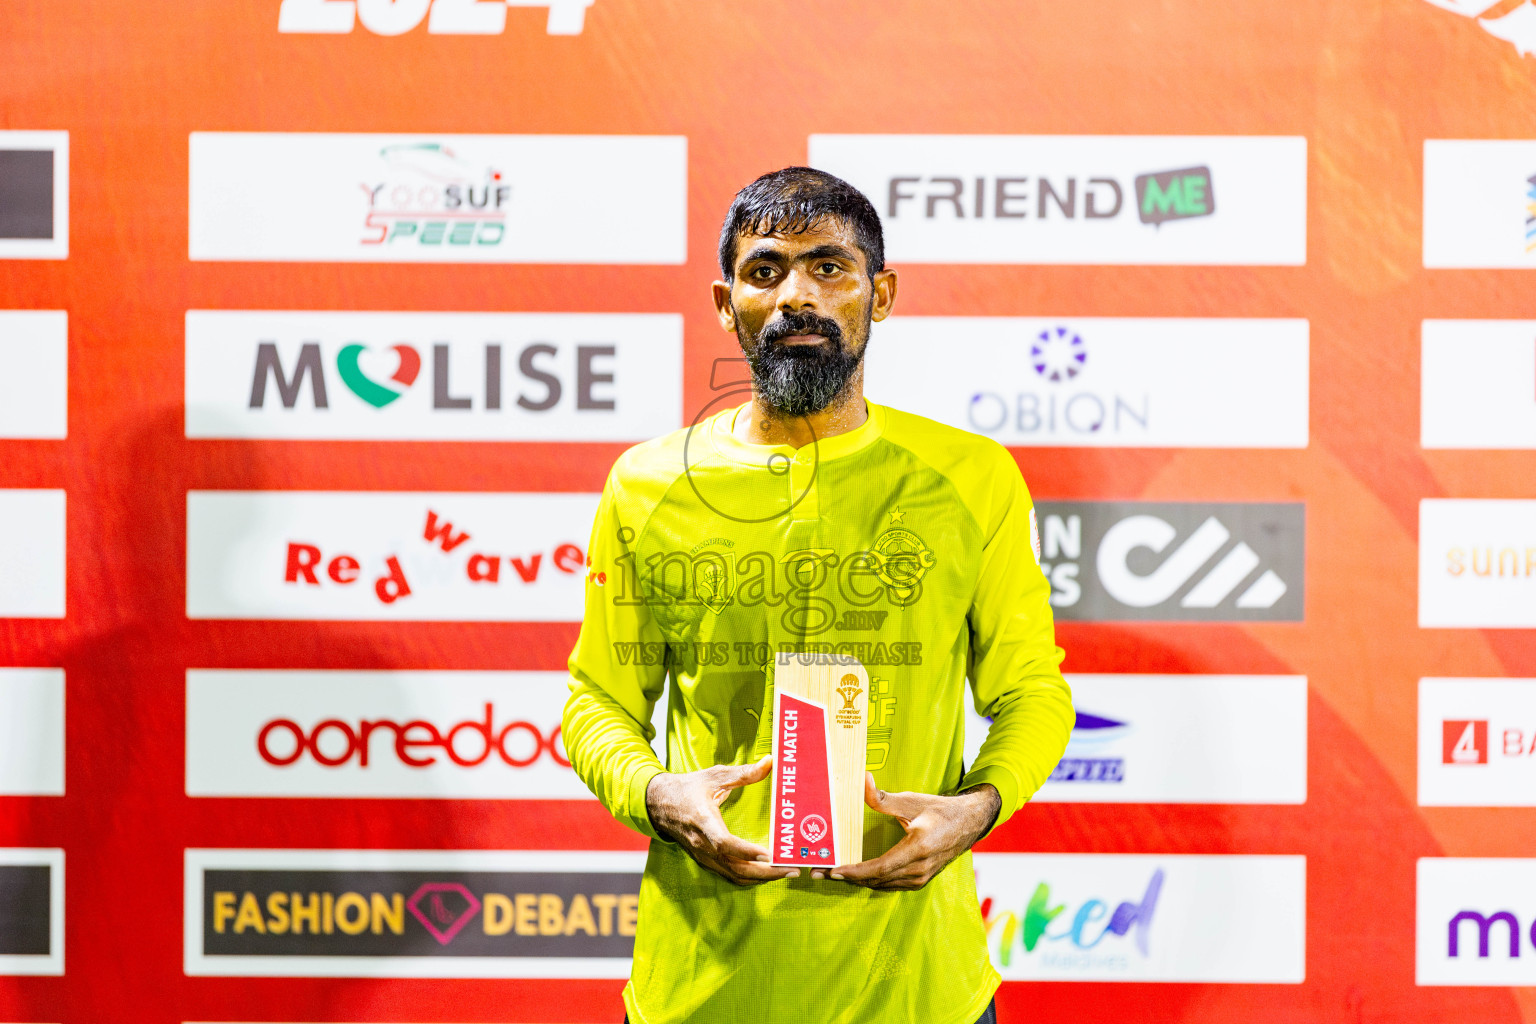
column 794, row 200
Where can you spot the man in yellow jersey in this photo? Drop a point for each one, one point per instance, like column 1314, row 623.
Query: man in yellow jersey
column 812, row 519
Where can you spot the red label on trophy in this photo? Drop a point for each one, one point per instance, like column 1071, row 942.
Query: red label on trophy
column 820, row 724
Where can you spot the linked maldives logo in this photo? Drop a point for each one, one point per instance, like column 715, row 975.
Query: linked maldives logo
column 1077, row 934
column 426, row 194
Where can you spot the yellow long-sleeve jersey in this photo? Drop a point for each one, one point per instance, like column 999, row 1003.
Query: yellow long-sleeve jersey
column 905, row 543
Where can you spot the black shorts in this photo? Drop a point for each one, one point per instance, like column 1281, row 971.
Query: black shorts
column 988, row 1016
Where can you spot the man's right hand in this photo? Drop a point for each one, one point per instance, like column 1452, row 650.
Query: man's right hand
column 685, row 808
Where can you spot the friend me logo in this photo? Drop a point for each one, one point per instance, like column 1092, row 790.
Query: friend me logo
column 443, row 17
column 1159, row 196
column 1133, row 560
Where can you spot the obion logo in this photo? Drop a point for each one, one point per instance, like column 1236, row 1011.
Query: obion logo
column 1165, row 561
column 1079, row 199
column 1135, row 917
column 1102, row 381
column 1477, row 742
column 424, row 376
column 471, row 735
column 443, row 17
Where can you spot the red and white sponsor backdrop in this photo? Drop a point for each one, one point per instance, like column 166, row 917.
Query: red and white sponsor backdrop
column 321, row 322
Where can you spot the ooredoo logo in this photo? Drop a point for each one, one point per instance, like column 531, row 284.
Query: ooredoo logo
column 416, row 743
column 442, row 17
column 433, row 735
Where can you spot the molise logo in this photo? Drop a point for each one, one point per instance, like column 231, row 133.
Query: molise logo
column 443, row 17
column 351, row 913
column 1476, row 921
column 1178, row 739
column 1079, row 199
column 1478, row 384
column 34, row 195
column 1477, row 563
column 1111, row 561
column 31, row 911
column 433, row 376
column 1102, row 381
column 414, row 557
column 1477, row 742
column 310, row 196
column 1513, row 23
column 1134, row 917
column 434, row 735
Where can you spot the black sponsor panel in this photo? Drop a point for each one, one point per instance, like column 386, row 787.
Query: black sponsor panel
column 26, row 193
column 25, row 910
column 1174, row 561
column 419, row 913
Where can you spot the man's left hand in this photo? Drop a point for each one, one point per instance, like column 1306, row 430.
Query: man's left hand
column 939, row 829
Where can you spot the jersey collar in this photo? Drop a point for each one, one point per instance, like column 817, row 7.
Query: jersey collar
column 729, row 446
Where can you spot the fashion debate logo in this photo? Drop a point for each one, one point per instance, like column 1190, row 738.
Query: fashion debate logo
column 445, row 199
column 1178, row 739
column 1478, row 384
column 1477, row 563
column 433, row 376
column 31, row 911
column 1478, row 200
column 1102, row 381
column 1476, row 921
column 1513, row 24
column 1080, row 199
column 34, row 371
column 31, row 731
column 443, row 17
column 32, row 554
column 1477, row 742
column 34, row 195
column 1110, row 561
column 439, row 735
column 396, row 556
column 1134, row 917
column 410, row 914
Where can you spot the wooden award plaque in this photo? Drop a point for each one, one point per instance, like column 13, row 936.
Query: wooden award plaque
column 820, row 725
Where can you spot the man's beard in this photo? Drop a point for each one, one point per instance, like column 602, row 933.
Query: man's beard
column 800, row 379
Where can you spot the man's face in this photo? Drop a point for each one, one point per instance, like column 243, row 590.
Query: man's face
column 801, row 306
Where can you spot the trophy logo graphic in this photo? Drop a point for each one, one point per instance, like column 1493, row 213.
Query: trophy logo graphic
column 848, row 688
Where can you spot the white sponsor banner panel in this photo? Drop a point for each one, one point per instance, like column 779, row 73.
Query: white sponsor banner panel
column 1145, row 917
column 34, row 196
column 1477, row 563
column 1177, row 739
column 1477, row 203
column 1474, row 921
column 433, row 734
column 1479, row 384
column 392, row 556
column 34, row 373
column 32, row 554
column 1073, row 199
column 309, row 196
column 1477, row 742
column 31, row 731
column 32, row 911
column 411, row 913
column 434, row 376
column 1124, row 382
